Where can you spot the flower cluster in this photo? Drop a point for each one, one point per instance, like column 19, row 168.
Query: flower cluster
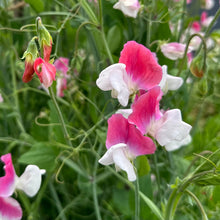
column 33, row 63
column 133, row 132
column 29, row 182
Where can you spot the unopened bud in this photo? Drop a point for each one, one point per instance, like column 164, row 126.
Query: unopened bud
column 30, row 56
column 45, row 39
column 203, row 87
column 197, row 66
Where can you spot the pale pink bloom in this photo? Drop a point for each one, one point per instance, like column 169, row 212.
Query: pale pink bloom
column 174, row 50
column 45, row 71
column 1, row 98
column 125, row 142
column 169, row 82
column 137, row 69
column 166, row 127
column 29, row 182
column 205, row 20
column 61, row 66
column 128, row 7
column 189, row 59
column 207, row 4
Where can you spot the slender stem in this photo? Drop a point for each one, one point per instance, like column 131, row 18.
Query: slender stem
column 148, row 32
column 204, row 216
column 137, row 200
column 65, row 132
column 182, row 21
column 157, row 175
column 212, row 23
column 18, row 118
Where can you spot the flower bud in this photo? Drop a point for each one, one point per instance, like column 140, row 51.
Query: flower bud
column 30, row 56
column 45, row 39
column 197, row 66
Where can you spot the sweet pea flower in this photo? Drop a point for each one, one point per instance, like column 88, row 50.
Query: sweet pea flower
column 1, row 98
column 125, row 142
column 128, row 7
column 205, row 20
column 29, row 182
column 61, row 66
column 45, row 71
column 166, row 127
column 174, row 50
column 207, row 4
column 137, row 69
column 169, row 82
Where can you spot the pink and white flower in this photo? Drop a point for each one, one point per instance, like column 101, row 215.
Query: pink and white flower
column 128, row 7
column 61, row 66
column 124, row 143
column 166, row 127
column 1, row 98
column 205, row 20
column 29, row 182
column 174, row 50
column 207, row 4
column 45, row 71
column 137, row 69
column 169, row 82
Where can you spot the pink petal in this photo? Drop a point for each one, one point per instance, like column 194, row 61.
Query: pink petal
column 141, row 65
column 61, row 64
column 139, row 144
column 146, row 109
column 10, row 209
column 117, row 130
column 7, row 182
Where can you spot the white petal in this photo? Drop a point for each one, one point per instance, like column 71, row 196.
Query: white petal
column 174, row 145
column 174, row 82
column 117, row 154
column 112, row 78
column 124, row 163
column 30, row 180
column 164, row 77
column 124, row 112
column 172, row 128
column 107, row 158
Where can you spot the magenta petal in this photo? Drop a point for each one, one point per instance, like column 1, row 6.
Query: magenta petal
column 7, row 182
column 139, row 144
column 10, row 209
column 141, row 65
column 146, row 109
column 117, row 130
column 61, row 64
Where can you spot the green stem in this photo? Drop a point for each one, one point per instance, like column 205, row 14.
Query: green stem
column 212, row 23
column 182, row 21
column 57, row 201
column 66, row 135
column 186, row 50
column 204, row 216
column 148, row 32
column 137, row 200
column 18, row 117
column 157, row 175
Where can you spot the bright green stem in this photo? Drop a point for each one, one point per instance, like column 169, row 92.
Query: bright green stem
column 204, row 216
column 186, row 50
column 137, row 200
column 66, row 135
column 157, row 174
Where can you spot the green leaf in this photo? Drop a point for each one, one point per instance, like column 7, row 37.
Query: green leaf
column 41, row 154
column 142, row 165
column 114, row 38
column 37, row 5
column 216, row 194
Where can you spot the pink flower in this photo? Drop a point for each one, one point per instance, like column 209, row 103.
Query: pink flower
column 29, row 182
column 1, row 98
column 166, row 127
column 45, row 71
column 128, row 7
column 61, row 66
column 124, row 143
column 137, row 69
column 205, row 20
column 196, row 27
column 174, row 50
